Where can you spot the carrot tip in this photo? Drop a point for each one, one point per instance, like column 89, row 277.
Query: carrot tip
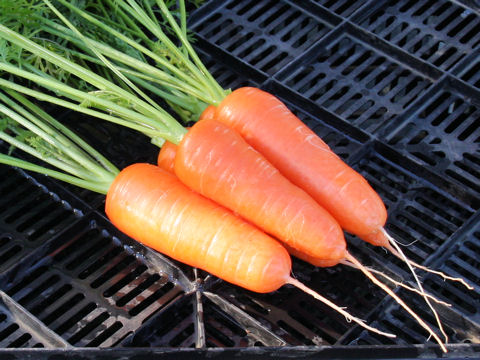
column 384, row 287
column 393, row 242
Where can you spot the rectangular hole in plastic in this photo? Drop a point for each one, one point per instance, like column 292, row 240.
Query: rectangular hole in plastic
column 88, row 328
column 73, row 320
column 429, row 20
column 62, row 308
column 151, row 299
column 427, row 5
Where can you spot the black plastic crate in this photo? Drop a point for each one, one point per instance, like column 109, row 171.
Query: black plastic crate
column 362, row 85
column 266, row 35
column 443, row 135
column 438, row 32
column 391, row 86
column 91, row 288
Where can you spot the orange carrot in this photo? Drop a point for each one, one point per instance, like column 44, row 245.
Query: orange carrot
column 166, row 156
column 215, row 161
column 306, row 160
column 272, row 129
column 208, row 113
column 153, row 207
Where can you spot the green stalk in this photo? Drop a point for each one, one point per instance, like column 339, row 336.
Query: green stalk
column 189, row 103
column 41, row 129
column 165, row 64
column 31, row 130
column 152, row 133
column 101, row 57
column 212, row 83
column 157, row 31
column 130, row 26
column 137, row 64
column 75, row 69
column 96, row 186
column 64, row 130
column 173, row 132
column 68, row 167
column 183, row 18
column 51, row 137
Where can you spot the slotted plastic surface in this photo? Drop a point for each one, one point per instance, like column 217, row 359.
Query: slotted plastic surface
column 391, row 86
column 443, row 134
column 88, row 287
column 265, row 34
column 438, row 32
column 362, row 86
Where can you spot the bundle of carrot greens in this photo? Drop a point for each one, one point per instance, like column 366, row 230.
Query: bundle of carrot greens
column 125, row 61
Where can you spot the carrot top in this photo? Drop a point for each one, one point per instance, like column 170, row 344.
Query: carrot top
column 112, row 60
column 26, row 127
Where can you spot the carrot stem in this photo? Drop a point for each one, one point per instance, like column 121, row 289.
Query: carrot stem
column 37, row 111
column 96, row 186
column 100, row 56
column 341, row 310
column 396, row 298
column 135, row 44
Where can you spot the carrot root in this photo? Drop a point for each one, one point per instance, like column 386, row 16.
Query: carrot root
column 303, row 287
column 393, row 243
column 377, row 282
column 391, row 247
column 399, row 283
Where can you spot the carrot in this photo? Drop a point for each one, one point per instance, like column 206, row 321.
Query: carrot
column 151, row 205
column 215, row 161
column 208, row 113
column 306, row 160
column 272, row 129
column 166, row 156
column 155, row 208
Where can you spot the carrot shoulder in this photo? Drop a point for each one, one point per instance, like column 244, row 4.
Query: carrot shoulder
column 272, row 129
column 155, row 208
column 166, row 156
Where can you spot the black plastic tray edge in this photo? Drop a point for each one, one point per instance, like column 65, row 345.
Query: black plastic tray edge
column 458, row 351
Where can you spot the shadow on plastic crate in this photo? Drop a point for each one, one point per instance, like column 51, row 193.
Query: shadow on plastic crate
column 30, row 215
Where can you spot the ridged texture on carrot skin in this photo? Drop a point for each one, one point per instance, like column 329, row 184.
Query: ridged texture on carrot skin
column 153, row 207
column 215, row 161
column 166, row 161
column 272, row 129
column 166, row 156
